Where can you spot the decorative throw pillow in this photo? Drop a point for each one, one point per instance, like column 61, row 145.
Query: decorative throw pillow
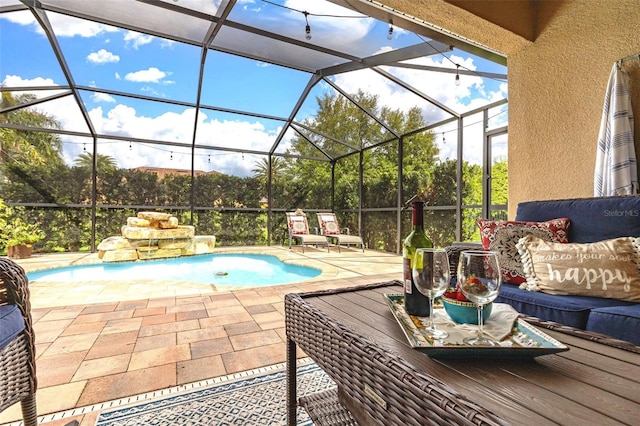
column 609, row 268
column 329, row 224
column 298, row 225
column 502, row 236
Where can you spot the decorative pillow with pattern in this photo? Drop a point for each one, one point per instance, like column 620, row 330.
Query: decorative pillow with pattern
column 298, row 225
column 502, row 236
column 329, row 224
column 609, row 268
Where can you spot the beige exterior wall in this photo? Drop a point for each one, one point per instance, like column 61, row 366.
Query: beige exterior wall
column 557, row 80
column 556, row 93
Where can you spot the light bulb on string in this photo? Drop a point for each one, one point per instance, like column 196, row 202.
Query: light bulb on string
column 84, row 147
column 457, row 75
column 171, row 156
column 209, row 160
column 443, row 139
column 390, row 33
column 130, row 146
column 307, row 28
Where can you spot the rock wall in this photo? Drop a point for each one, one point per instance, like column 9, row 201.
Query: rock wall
column 153, row 235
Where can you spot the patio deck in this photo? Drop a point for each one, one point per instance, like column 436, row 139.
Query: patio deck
column 101, row 341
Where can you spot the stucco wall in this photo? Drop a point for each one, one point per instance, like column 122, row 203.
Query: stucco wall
column 556, row 93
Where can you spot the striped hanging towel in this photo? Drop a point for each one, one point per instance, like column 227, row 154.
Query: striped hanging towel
column 616, row 171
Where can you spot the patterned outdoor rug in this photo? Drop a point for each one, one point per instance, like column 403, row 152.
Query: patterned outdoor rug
column 258, row 399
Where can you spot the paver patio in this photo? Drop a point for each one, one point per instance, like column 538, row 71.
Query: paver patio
column 102, row 341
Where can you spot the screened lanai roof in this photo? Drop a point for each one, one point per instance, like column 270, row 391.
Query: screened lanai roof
column 159, row 78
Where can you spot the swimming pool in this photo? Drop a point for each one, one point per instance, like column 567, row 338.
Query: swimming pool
column 243, row 270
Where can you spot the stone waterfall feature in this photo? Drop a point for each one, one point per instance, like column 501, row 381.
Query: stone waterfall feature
column 153, row 235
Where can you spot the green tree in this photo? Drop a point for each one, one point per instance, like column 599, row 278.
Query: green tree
column 261, row 169
column 28, row 159
column 27, row 146
column 301, row 179
column 342, row 128
column 499, row 187
column 440, row 224
column 104, row 162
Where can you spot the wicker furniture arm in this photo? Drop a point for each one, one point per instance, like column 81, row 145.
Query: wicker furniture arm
column 17, row 359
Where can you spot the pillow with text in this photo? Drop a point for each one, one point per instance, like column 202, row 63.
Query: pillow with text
column 609, row 268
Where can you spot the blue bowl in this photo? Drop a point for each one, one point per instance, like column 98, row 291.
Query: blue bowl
column 465, row 312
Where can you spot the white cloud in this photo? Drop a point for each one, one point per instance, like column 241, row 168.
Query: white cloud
column 178, row 127
column 136, row 39
column 125, row 121
column 150, row 75
column 17, row 81
column 103, row 97
column 102, row 56
column 63, row 26
column 65, row 110
column 438, row 86
column 165, row 43
column 151, row 91
column 20, row 18
column 67, row 26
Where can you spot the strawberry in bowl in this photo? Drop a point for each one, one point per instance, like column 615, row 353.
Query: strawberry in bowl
column 460, row 309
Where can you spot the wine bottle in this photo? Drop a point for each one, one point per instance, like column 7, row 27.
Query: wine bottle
column 415, row 303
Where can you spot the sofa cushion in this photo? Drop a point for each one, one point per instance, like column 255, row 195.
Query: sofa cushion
column 621, row 322
column 592, row 219
column 609, row 268
column 501, row 236
column 11, row 324
column 569, row 310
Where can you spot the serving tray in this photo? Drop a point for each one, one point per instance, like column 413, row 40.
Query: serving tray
column 524, row 341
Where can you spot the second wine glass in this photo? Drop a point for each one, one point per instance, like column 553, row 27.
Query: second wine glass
column 431, row 277
column 479, row 279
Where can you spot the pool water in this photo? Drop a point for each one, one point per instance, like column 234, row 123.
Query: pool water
column 248, row 270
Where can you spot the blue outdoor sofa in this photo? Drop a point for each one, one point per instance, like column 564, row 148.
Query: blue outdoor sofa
column 591, row 220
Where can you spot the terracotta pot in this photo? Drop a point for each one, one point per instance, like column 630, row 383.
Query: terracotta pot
column 21, row 251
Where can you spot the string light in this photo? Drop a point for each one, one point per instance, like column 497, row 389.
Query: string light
column 84, row 147
column 457, row 75
column 130, row 146
column 154, row 147
column 390, row 33
column 473, row 124
column 307, row 28
column 171, row 156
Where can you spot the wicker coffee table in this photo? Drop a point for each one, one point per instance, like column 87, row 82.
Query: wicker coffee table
column 352, row 335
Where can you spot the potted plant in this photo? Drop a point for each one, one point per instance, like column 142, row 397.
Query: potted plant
column 16, row 233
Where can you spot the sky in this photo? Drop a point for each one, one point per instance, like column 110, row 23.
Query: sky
column 116, row 59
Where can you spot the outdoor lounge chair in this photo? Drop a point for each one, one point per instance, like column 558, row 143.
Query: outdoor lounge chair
column 330, row 228
column 299, row 230
column 17, row 349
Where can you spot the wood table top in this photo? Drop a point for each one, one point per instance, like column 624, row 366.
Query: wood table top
column 591, row 383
